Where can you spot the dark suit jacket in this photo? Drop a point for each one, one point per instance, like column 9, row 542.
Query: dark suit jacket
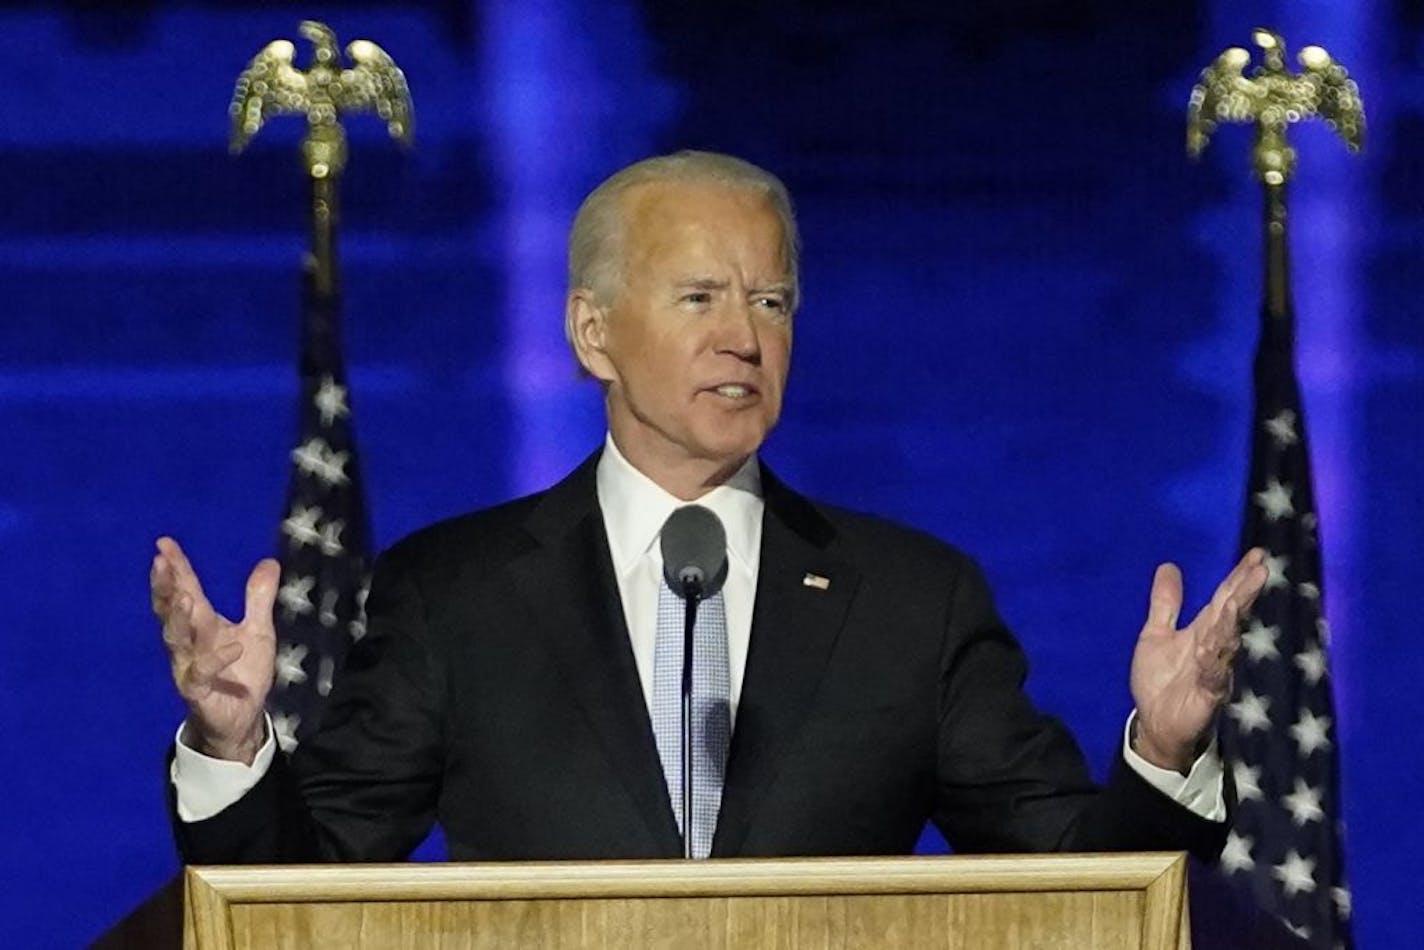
column 496, row 691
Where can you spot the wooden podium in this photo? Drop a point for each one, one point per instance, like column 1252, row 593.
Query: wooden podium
column 1052, row 901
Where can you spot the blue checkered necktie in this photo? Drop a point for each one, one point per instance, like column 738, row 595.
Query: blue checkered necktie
column 711, row 708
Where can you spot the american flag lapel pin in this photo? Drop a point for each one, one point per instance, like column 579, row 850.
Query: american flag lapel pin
column 816, row 582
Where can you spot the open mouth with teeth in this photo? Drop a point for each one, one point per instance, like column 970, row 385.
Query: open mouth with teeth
column 734, row 391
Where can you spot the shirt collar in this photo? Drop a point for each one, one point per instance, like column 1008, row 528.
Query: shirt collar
column 635, row 508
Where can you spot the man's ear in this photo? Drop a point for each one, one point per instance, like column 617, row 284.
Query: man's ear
column 586, row 325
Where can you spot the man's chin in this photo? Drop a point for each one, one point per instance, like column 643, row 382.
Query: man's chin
column 735, row 446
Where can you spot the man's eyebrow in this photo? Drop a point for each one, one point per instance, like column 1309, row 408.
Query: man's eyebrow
column 782, row 287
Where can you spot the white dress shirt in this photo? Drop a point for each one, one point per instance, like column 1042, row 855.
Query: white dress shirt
column 634, row 510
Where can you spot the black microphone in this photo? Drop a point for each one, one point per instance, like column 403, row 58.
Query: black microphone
column 694, row 546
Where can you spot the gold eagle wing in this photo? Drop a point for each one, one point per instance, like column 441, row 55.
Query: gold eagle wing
column 376, row 83
column 270, row 85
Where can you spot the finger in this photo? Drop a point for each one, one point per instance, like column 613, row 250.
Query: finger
column 1251, row 588
column 1165, row 602
column 1245, row 582
column 207, row 627
column 1227, row 587
column 1238, row 576
column 184, row 577
column 160, row 585
column 1216, row 653
column 200, row 676
column 1223, row 635
column 190, row 628
column 163, row 585
column 173, row 553
column 178, row 632
column 262, row 593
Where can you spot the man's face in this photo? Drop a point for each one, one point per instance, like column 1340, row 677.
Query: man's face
column 695, row 344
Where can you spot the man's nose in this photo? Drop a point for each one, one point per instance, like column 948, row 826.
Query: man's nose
column 738, row 332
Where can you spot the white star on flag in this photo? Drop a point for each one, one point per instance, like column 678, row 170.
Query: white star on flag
column 327, row 615
column 1276, row 571
column 1341, row 897
column 330, row 400
column 1309, row 591
column 1250, row 711
column 1248, row 781
column 334, row 471
column 310, row 455
column 1281, row 428
column 324, row 675
column 295, row 595
column 289, row 664
column 1303, row 803
column 1312, row 664
column 331, row 537
column 285, row 726
column 1275, row 501
column 1309, row 732
column 358, row 626
column 1295, row 873
column 1260, row 640
column 1236, row 856
column 300, row 525
column 315, row 457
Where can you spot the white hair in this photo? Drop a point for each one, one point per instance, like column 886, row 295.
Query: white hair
column 596, row 239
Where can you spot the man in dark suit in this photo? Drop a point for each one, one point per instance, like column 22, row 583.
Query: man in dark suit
column 507, row 686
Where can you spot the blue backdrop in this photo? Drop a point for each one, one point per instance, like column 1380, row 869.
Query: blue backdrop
column 1028, row 324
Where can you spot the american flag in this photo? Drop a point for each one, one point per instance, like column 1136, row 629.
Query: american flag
column 1279, row 734
column 325, row 537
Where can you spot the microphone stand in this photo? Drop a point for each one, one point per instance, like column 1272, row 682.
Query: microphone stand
column 694, row 546
column 691, row 594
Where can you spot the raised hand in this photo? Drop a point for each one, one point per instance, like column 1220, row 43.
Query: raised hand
column 1181, row 677
column 223, row 670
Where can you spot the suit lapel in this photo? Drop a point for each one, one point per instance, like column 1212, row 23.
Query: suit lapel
column 794, row 628
column 569, row 585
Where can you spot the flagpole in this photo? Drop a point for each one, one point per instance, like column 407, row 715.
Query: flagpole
column 1277, row 284
column 324, row 541
column 323, row 237
column 1278, row 737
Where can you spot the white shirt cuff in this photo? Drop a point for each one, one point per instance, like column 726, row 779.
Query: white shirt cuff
column 1201, row 790
column 205, row 785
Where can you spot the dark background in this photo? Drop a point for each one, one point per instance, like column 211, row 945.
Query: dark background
column 1027, row 327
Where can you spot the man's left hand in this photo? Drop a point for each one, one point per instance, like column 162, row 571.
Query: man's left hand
column 1181, row 677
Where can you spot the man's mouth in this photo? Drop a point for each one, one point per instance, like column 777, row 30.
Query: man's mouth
column 734, row 391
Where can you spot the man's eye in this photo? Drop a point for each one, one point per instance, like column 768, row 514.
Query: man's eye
column 771, row 302
column 697, row 297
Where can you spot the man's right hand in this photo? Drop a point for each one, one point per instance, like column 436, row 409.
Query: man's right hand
column 223, row 670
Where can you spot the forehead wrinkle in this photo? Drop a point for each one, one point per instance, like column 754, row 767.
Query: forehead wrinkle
column 652, row 234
